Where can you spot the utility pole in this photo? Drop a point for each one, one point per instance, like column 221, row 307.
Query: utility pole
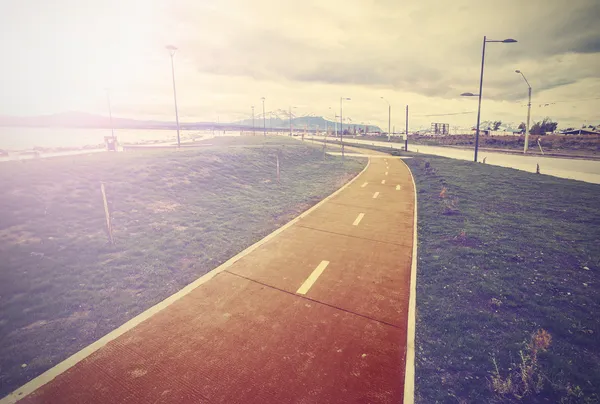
column 291, row 130
column 264, row 117
column 406, row 137
column 253, row 131
column 342, row 124
column 389, row 120
column 172, row 49
column 112, row 128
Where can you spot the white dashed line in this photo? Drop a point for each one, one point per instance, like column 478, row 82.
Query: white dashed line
column 383, row 181
column 386, row 173
column 358, row 219
column 364, row 185
column 375, row 195
column 312, row 278
column 398, row 187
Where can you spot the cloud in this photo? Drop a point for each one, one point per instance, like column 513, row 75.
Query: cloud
column 309, row 52
column 418, row 48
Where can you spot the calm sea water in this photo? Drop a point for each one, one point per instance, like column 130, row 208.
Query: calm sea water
column 16, row 139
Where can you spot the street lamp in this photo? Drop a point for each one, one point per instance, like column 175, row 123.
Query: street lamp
column 112, row 127
column 172, row 49
column 253, row 131
column 291, row 129
column 264, row 117
column 389, row 116
column 342, row 123
column 526, row 146
column 485, row 40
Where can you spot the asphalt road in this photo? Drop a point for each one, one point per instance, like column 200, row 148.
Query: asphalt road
column 577, row 169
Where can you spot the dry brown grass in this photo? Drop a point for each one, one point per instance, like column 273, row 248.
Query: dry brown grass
column 443, row 192
column 527, row 378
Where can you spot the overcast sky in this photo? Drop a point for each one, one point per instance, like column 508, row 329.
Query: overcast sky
column 60, row 55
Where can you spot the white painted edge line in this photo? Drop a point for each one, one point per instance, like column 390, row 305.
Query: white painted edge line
column 71, row 361
column 398, row 187
column 358, row 219
column 375, row 195
column 312, row 278
column 364, row 185
column 409, row 374
column 383, row 181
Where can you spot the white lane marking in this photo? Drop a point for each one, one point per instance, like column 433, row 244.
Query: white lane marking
column 364, row 185
column 375, row 195
column 383, row 181
column 386, row 173
column 398, row 187
column 312, row 278
column 358, row 219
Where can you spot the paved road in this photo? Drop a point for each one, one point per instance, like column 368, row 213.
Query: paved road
column 315, row 314
column 578, row 169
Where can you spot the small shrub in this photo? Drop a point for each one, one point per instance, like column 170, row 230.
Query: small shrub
column 527, row 378
column 443, row 193
column 496, row 303
column 450, row 206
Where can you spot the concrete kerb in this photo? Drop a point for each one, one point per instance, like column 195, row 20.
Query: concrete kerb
column 71, row 361
column 409, row 374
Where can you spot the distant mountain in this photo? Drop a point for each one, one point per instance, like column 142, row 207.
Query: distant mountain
column 280, row 120
column 86, row 120
column 505, row 126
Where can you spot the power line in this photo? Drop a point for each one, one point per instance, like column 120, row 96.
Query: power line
column 452, row 113
column 547, row 103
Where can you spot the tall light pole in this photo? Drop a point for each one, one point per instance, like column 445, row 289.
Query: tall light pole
column 112, row 128
column 253, row 131
column 264, row 117
column 291, row 128
column 526, row 146
column 342, row 123
column 172, row 49
column 485, row 40
column 406, row 136
column 389, row 116
column 335, row 122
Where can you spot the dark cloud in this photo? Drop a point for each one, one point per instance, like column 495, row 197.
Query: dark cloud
column 422, row 57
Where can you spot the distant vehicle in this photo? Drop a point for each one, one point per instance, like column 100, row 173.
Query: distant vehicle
column 3, row 153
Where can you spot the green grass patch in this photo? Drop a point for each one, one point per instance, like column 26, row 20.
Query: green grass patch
column 502, row 254
column 176, row 216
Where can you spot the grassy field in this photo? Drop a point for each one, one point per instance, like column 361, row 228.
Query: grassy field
column 176, row 215
column 504, row 254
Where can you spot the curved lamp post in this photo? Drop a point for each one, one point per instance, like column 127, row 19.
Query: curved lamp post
column 291, row 127
column 264, row 118
column 485, row 40
column 342, row 123
column 389, row 116
column 172, row 49
column 526, row 146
